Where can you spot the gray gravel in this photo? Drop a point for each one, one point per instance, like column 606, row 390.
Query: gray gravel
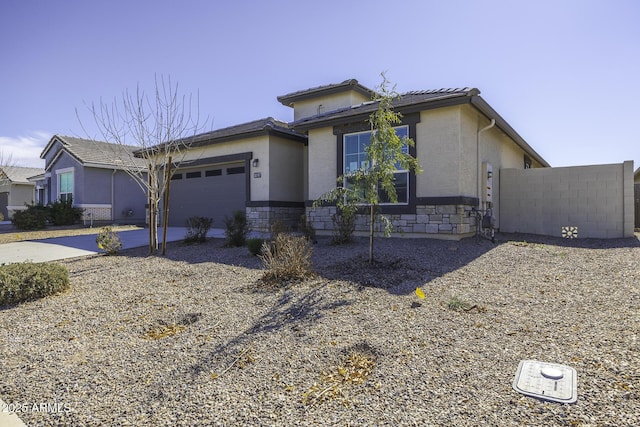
column 247, row 356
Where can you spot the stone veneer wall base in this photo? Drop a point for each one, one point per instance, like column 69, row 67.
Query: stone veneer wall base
column 450, row 222
column 262, row 217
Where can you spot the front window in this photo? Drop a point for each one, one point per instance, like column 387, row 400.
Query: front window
column 355, row 158
column 65, row 181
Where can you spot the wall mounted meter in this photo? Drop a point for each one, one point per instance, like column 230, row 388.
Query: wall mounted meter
column 487, row 179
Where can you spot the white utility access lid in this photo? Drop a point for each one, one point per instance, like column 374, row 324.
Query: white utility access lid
column 548, row 381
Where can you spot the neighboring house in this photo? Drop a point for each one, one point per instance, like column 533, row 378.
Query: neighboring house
column 461, row 144
column 91, row 173
column 16, row 191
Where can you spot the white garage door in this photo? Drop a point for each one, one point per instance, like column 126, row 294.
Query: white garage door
column 208, row 191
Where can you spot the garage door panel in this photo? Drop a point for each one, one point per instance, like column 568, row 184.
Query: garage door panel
column 208, row 196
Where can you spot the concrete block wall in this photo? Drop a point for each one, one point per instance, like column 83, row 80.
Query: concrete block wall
column 637, row 204
column 596, row 199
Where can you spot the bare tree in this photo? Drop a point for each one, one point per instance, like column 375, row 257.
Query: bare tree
column 6, row 162
column 150, row 135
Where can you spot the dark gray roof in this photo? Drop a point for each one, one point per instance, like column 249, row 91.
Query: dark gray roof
column 415, row 99
column 18, row 174
column 96, row 153
column 244, row 130
column 351, row 84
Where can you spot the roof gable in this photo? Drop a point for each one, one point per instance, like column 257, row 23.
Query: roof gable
column 320, row 91
column 92, row 153
column 414, row 100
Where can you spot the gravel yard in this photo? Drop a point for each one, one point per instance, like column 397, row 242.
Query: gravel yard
column 191, row 340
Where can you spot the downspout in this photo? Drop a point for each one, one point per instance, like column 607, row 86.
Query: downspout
column 478, row 166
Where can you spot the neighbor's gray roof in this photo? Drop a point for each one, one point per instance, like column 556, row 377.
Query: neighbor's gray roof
column 96, row 153
column 20, row 175
column 351, row 84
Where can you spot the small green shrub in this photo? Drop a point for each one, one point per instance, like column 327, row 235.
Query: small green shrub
column 288, row 258
column 1, row 217
column 27, row 281
column 344, row 224
column 457, row 304
column 307, row 228
column 197, row 229
column 255, row 246
column 62, row 212
column 237, row 229
column 109, row 241
column 33, row 218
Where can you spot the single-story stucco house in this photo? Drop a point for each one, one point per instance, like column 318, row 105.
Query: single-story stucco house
column 275, row 170
column 92, row 174
column 16, row 190
column 461, row 144
column 471, row 158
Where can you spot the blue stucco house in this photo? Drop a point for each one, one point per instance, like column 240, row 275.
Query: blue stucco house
column 93, row 175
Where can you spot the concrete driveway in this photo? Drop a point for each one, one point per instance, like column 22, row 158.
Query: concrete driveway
column 76, row 246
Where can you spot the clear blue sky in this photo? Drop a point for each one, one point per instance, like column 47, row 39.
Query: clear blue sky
column 564, row 74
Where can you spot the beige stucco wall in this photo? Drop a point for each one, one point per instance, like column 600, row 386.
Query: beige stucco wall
column 308, row 108
column 279, row 169
column 19, row 194
column 286, row 170
column 446, row 149
column 259, row 146
column 438, row 151
column 305, row 172
column 322, row 161
column 596, row 199
column 496, row 148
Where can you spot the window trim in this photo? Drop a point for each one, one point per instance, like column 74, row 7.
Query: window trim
column 410, row 119
column 59, row 173
column 398, row 171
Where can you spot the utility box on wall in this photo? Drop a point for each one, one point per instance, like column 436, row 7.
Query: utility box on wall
column 487, row 174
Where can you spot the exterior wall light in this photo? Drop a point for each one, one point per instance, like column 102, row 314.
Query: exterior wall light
column 255, row 163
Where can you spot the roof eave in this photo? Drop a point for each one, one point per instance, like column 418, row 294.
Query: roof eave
column 490, row 113
column 46, row 149
column 202, row 141
column 267, row 130
column 362, row 113
column 353, row 84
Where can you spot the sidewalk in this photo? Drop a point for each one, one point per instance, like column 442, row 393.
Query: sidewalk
column 9, row 419
column 76, row 246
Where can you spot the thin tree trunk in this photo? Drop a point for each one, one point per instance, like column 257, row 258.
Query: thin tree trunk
column 165, row 217
column 371, row 234
column 153, row 215
column 149, row 217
